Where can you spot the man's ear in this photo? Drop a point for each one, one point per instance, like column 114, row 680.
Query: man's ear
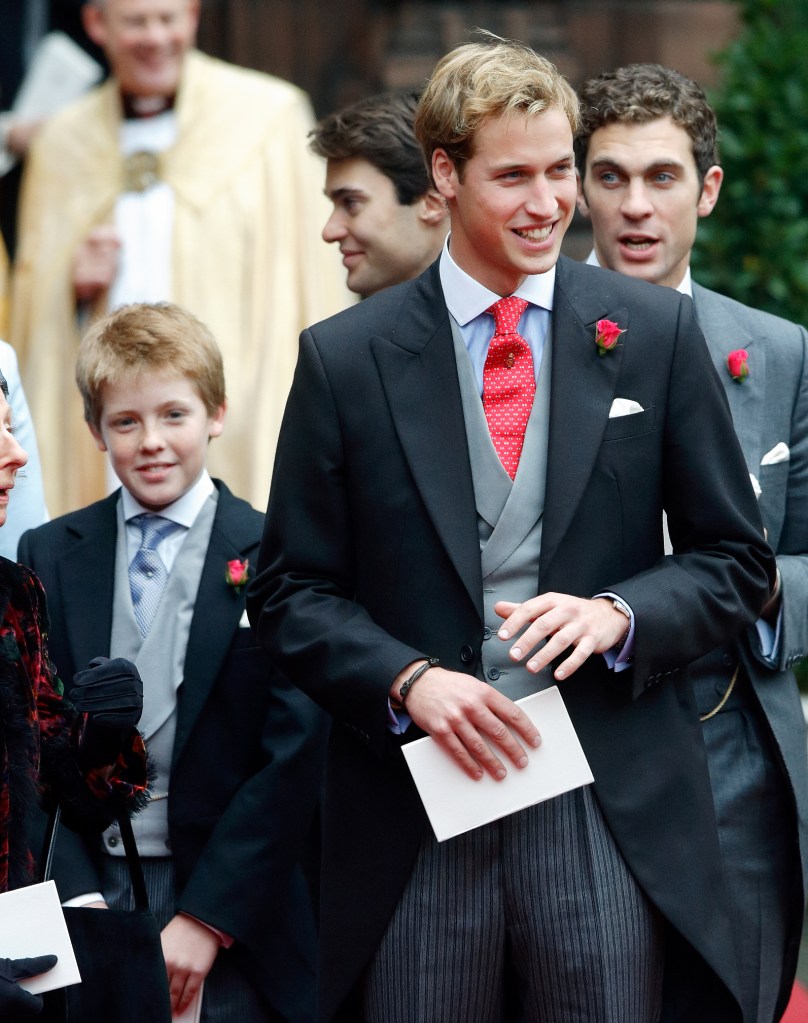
column 432, row 208
column 444, row 174
column 583, row 205
column 92, row 18
column 710, row 190
column 97, row 437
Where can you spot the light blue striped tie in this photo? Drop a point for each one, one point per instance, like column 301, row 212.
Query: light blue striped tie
column 147, row 573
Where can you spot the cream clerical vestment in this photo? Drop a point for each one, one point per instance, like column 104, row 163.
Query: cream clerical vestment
column 248, row 259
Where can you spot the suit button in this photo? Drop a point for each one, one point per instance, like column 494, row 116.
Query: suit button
column 487, row 633
column 466, row 654
column 493, row 674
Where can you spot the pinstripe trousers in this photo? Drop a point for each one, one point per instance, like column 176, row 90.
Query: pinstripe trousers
column 228, row 997
column 534, row 918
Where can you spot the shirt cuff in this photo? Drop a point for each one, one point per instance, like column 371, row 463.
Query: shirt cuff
column 398, row 721
column 620, row 658
column 84, row 900
column 769, row 638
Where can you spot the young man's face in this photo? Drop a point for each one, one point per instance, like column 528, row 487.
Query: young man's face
column 145, row 41
column 382, row 242
column 515, row 200
column 156, row 430
column 12, row 457
column 641, row 190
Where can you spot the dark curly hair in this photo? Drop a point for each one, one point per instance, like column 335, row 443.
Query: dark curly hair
column 638, row 93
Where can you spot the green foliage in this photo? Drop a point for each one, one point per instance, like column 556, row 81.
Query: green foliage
column 754, row 246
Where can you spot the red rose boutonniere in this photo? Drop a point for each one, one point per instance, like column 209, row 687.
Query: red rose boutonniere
column 738, row 365
column 237, row 574
column 606, row 334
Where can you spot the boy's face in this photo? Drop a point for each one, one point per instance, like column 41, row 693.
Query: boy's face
column 156, row 430
column 382, row 242
column 12, row 457
column 641, row 191
column 515, row 200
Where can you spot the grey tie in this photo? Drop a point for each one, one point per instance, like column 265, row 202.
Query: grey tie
column 147, row 573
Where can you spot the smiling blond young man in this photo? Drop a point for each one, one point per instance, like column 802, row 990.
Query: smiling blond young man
column 459, row 520
column 185, row 179
column 649, row 171
column 387, row 219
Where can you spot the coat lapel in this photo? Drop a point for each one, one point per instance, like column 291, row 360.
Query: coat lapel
column 582, row 390
column 419, row 374
column 217, row 611
column 725, row 332
column 87, row 580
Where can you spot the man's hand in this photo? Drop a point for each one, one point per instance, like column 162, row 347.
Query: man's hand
column 95, row 263
column 588, row 626
column 189, row 949
column 469, row 719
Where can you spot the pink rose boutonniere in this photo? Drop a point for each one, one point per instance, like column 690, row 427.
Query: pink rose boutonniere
column 738, row 365
column 606, row 334
column 237, row 574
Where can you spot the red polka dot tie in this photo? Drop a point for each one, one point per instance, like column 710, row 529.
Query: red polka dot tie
column 509, row 382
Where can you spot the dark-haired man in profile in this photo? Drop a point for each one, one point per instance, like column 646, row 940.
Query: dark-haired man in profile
column 649, row 170
column 388, row 220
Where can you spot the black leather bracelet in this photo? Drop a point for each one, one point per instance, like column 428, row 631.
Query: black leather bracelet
column 407, row 685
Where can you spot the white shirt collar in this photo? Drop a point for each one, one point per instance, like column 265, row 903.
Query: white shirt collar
column 685, row 286
column 183, row 511
column 466, row 298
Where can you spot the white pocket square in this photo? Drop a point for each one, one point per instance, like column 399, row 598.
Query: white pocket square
column 244, row 621
column 779, row 453
column 624, row 407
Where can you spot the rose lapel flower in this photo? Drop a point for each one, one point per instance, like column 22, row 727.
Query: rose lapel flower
column 237, row 573
column 606, row 334
column 738, row 365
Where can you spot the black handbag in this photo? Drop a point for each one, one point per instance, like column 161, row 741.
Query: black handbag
column 123, row 973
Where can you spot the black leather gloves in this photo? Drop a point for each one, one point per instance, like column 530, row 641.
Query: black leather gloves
column 110, row 692
column 15, row 1002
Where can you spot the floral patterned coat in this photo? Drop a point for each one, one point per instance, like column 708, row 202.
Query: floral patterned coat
column 39, row 734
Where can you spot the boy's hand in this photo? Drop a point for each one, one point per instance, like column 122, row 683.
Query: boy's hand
column 189, row 949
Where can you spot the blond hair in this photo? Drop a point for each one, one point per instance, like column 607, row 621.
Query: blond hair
column 483, row 79
column 143, row 338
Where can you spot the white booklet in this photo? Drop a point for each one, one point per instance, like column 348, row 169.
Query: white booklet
column 456, row 803
column 32, row 924
column 60, row 71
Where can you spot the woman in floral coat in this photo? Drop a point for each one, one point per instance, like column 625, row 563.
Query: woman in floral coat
column 93, row 764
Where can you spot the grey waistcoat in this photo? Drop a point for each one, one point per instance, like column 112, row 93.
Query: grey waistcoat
column 509, row 518
column 160, row 659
